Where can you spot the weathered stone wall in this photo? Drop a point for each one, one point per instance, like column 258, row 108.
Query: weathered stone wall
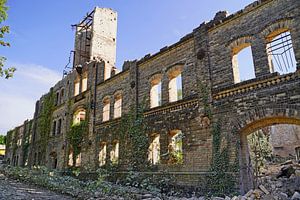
column 205, row 58
column 284, row 140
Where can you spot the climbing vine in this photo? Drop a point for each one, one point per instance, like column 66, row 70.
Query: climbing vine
column 132, row 131
column 45, row 117
column 76, row 136
column 220, row 180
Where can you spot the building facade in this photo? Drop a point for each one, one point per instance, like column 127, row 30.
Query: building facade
column 186, row 88
column 2, row 150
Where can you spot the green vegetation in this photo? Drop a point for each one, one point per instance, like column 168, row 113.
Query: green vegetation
column 76, row 136
column 132, row 131
column 44, row 120
column 260, row 151
column 52, row 180
column 6, row 72
column 221, row 179
column 175, row 150
column 2, row 139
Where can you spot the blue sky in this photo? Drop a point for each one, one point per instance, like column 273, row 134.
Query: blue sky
column 41, row 39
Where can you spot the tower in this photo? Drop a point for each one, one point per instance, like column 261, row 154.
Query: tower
column 95, row 38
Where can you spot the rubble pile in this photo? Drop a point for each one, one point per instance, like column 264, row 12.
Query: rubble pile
column 282, row 182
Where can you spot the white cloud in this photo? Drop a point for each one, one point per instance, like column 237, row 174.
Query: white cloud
column 19, row 94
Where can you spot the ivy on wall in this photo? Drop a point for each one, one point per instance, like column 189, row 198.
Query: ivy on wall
column 132, row 130
column 9, row 137
column 44, row 120
column 26, row 142
column 75, row 137
column 45, row 117
column 220, row 180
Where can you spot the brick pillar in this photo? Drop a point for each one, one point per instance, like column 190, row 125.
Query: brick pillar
column 260, row 56
column 131, row 99
column 295, row 34
column 165, row 89
column 164, row 143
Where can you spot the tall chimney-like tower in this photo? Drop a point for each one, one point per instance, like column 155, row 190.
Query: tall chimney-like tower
column 96, row 38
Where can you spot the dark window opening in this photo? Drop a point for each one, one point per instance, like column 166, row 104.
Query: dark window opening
column 54, row 128
column 59, row 126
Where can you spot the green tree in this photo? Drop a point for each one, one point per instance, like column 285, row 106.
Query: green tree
column 6, row 72
column 2, row 139
column 260, row 151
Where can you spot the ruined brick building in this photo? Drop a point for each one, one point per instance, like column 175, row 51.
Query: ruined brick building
column 176, row 114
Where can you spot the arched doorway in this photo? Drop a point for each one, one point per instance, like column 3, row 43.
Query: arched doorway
column 247, row 178
column 53, row 157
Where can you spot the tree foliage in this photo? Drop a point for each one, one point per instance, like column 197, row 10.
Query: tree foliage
column 260, row 151
column 2, row 139
column 132, row 130
column 6, row 72
column 75, row 137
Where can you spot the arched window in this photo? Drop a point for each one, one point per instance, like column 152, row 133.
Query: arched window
column 175, row 147
column 102, row 154
column 106, row 109
column 154, row 150
column 79, row 116
column 77, row 161
column 280, row 52
column 114, row 153
column 155, row 91
column 175, row 84
column 242, row 60
column 53, row 162
column 118, row 105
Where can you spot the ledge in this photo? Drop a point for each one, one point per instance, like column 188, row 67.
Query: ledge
column 176, row 106
column 255, row 84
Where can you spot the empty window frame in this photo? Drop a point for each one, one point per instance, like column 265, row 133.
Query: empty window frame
column 175, row 147
column 155, row 92
column 114, row 153
column 242, row 63
column 84, row 83
column 76, row 87
column 102, row 154
column 79, row 116
column 57, row 98
column 118, row 106
column 106, row 110
column 59, row 126
column 53, row 160
column 77, row 160
column 62, row 95
column 280, row 52
column 154, row 150
column 175, row 85
column 54, row 128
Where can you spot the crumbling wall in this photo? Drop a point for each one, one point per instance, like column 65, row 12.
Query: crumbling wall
column 205, row 60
